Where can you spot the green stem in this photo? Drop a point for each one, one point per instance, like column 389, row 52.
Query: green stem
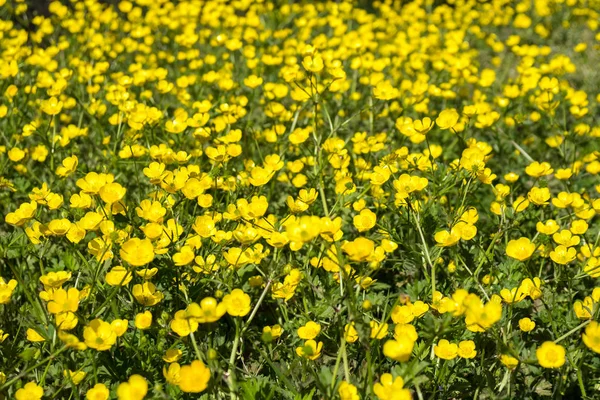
column 52, row 144
column 578, row 327
column 195, row 345
column 336, row 367
column 427, row 256
column 258, row 303
column 232, row 374
column 345, row 358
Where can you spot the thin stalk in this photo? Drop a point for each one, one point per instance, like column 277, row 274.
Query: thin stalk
column 195, row 345
column 258, row 303
column 232, row 373
column 427, row 256
column 345, row 359
column 578, row 327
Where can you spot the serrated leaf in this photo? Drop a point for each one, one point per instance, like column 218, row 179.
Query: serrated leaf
column 544, row 388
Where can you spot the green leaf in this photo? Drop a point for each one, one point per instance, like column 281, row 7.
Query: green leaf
column 544, row 388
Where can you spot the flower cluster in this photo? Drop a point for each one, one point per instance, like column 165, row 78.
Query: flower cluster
column 248, row 199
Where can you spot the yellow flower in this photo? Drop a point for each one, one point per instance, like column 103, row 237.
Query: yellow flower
column 365, row 220
column 209, row 310
column 137, row 252
column 236, row 257
column 360, row 249
column 310, row 350
column 480, row 317
column 23, row 214
column 271, row 333
column 526, row 324
column 237, row 303
column 563, row 255
column 313, row 63
column 253, row 81
column 6, row 290
column 513, row 295
column 147, row 294
column 134, row 389
column 182, row 324
column 74, row 376
column 591, row 336
column 93, row 182
column 389, row 388
column 446, row 239
column 54, row 280
column 154, row 172
column 378, row 331
column 171, row 373
column 69, row 165
column 445, row 350
column 464, row 230
column 405, row 330
column 184, row 256
column 146, row 273
column 64, row 301
column 536, row 169
column 71, row 341
column 399, row 349
column 119, row 326
column 260, row 176
column 539, row 196
column 16, row 154
column 58, row 227
column 31, row 391
column 350, row 333
column 112, row 192
column 98, row 392
column 172, row 355
column 152, row 211
column 385, row 91
column 118, row 276
column 547, row 228
column 509, row 361
column 520, row 204
column 99, row 335
column 66, row 321
column 194, row 378
column 579, row 227
column 143, row 320
column 34, row 336
column 423, row 126
column 520, row 249
column 447, row 119
column 52, row 106
column 309, row 331
column 466, row 349
column 532, row 287
column 562, row 173
column 566, row 238
column 403, row 314
column 592, row 267
column 348, row 391
column 550, row 355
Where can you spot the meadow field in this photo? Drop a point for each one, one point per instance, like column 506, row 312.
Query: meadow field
column 295, row 200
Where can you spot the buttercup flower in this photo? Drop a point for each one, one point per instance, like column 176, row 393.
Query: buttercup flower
column 99, row 335
column 194, row 378
column 550, row 355
column 237, row 303
column 137, row 252
column 31, row 391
